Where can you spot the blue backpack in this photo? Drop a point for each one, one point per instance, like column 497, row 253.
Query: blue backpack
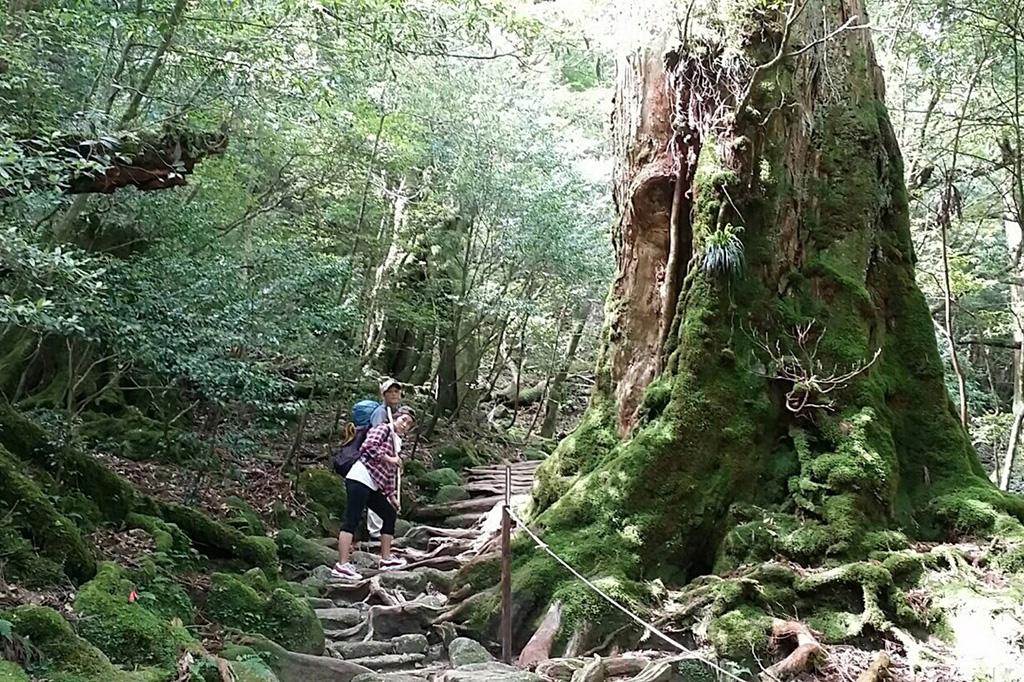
column 355, row 434
column 362, row 411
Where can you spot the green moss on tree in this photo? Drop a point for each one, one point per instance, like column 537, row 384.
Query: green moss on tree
column 173, row 547
column 243, row 517
column 30, row 512
column 217, row 539
column 133, row 435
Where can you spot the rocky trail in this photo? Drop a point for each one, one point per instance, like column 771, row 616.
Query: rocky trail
column 392, row 625
column 398, row 626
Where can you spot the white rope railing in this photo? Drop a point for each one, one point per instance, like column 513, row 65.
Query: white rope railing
column 632, row 616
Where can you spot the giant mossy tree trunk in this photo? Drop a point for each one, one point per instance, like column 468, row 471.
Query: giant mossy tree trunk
column 700, row 453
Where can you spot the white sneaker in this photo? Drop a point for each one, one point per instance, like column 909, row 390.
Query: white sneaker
column 392, row 564
column 346, row 571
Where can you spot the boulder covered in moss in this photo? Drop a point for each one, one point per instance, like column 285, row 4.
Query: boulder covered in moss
column 325, row 494
column 148, row 629
column 451, row 493
column 66, row 656
column 432, row 481
column 251, row 604
column 457, row 457
column 741, row 633
column 300, row 551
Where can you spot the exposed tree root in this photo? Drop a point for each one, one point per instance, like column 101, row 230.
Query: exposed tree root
column 539, row 647
column 804, row 657
column 878, row 671
column 559, row 668
column 600, row 669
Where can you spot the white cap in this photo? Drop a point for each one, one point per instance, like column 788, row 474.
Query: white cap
column 387, row 383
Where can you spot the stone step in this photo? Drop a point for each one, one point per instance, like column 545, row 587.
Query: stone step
column 386, row 661
column 340, row 618
column 478, row 505
column 462, row 521
column 403, row 644
column 320, row 603
column 526, row 465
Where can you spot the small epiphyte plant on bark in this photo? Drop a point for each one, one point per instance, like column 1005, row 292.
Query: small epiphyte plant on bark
column 723, row 251
column 810, row 382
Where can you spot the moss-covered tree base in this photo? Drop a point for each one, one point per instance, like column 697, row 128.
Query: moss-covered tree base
column 792, row 439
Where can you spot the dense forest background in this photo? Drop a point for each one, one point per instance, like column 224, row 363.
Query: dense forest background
column 223, row 222
column 407, row 190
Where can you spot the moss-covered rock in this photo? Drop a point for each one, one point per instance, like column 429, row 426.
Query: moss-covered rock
column 149, row 630
column 741, row 634
column 243, row 517
column 67, row 657
column 248, row 604
column 297, row 550
column 458, row 457
column 432, row 481
column 479, row 575
column 325, row 493
column 450, row 493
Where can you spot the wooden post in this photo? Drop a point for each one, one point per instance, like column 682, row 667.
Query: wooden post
column 506, row 571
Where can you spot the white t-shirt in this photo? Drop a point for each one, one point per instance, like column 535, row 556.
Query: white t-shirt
column 360, row 473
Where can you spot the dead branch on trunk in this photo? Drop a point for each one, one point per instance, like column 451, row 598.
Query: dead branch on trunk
column 809, row 380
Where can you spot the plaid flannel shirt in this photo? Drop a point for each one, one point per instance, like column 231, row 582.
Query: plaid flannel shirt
column 379, row 443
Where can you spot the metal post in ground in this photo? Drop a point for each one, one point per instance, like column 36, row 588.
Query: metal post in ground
column 506, row 571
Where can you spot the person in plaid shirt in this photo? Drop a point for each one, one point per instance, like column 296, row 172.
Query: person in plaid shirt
column 372, row 483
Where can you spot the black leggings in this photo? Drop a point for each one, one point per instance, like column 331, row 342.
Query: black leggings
column 359, row 497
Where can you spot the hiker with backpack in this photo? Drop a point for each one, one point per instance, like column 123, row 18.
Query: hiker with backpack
column 365, row 415
column 391, row 395
column 372, row 482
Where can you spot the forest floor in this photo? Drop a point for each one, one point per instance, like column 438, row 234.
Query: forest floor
column 405, row 626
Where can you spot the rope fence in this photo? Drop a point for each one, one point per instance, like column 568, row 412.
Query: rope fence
column 506, row 607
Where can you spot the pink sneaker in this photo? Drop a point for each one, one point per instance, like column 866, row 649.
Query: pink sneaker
column 392, row 563
column 346, row 571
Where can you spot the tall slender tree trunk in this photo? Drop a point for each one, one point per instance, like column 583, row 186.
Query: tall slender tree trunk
column 556, row 389
column 1013, row 233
